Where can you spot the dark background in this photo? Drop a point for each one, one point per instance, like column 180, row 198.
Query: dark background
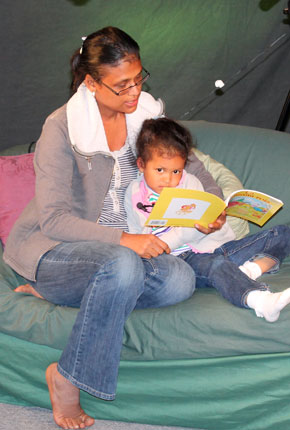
column 185, row 44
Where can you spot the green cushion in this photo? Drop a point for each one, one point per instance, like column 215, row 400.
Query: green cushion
column 204, row 326
column 258, row 157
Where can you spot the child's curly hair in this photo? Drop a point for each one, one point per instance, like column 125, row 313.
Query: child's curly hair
column 165, row 136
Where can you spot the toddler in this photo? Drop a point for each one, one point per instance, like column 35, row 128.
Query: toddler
column 218, row 260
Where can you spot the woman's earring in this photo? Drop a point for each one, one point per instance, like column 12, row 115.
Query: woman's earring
column 94, row 94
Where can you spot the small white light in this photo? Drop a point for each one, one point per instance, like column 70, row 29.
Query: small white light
column 219, row 83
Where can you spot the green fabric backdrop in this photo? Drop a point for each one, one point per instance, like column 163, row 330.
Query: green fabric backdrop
column 185, row 44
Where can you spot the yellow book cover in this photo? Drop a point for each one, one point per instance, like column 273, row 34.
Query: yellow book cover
column 185, row 208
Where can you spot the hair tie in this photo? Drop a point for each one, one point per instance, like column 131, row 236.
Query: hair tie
column 83, row 39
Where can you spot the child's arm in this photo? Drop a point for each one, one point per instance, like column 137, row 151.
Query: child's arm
column 178, row 236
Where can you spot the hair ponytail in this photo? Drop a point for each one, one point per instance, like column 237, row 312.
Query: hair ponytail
column 78, row 75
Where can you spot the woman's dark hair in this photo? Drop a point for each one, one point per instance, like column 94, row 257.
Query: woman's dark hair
column 165, row 136
column 106, row 47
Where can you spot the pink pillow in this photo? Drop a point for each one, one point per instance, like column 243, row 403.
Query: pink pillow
column 17, row 182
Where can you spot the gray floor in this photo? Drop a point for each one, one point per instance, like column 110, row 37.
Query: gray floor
column 22, row 418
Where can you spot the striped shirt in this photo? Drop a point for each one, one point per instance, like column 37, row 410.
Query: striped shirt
column 125, row 171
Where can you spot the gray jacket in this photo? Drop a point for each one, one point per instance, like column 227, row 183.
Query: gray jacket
column 70, row 190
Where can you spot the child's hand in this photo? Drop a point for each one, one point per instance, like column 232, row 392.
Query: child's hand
column 217, row 225
column 145, row 245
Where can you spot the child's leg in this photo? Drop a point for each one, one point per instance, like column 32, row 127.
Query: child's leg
column 217, row 271
column 267, row 246
column 257, row 267
column 274, row 242
column 265, row 263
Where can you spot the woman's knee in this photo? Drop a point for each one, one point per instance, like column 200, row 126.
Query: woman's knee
column 181, row 279
column 180, row 272
column 126, row 267
column 168, row 280
column 125, row 260
column 118, row 282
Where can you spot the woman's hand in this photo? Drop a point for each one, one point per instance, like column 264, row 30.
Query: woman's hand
column 217, row 225
column 145, row 245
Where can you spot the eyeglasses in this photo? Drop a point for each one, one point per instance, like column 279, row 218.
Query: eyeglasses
column 126, row 90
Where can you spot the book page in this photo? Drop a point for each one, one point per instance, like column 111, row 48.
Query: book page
column 253, row 206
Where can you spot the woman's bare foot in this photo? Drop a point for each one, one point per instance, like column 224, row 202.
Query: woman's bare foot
column 28, row 289
column 65, row 400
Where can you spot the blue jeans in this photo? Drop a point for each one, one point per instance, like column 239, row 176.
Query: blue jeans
column 107, row 282
column 220, row 269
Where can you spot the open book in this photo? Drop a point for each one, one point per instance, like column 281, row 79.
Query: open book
column 185, row 208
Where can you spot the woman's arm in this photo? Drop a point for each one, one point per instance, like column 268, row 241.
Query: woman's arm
column 145, row 245
column 66, row 198
column 196, row 167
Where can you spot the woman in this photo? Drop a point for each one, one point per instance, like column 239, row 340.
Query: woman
column 71, row 240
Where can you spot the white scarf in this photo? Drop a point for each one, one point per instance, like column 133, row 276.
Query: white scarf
column 85, row 125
